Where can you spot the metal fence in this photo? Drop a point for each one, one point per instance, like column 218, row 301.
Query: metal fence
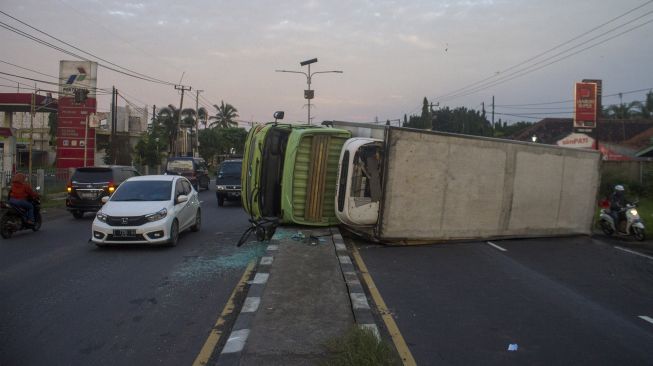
column 51, row 181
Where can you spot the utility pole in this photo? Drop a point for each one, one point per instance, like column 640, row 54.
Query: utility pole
column 114, row 124
column 197, row 123
column 31, row 133
column 181, row 104
column 493, row 115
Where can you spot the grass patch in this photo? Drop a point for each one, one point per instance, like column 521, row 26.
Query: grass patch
column 359, row 347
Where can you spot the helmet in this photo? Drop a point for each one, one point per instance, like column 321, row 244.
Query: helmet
column 619, row 188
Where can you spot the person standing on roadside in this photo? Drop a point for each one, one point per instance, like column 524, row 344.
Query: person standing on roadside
column 20, row 194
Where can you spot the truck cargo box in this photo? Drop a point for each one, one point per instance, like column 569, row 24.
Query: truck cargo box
column 416, row 186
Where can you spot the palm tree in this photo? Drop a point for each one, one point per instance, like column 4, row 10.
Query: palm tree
column 224, row 118
column 168, row 118
column 646, row 107
column 622, row 110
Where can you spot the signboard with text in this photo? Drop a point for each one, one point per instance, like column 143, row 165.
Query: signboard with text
column 585, row 105
column 76, row 140
column 577, row 140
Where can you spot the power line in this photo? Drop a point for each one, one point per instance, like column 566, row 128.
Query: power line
column 46, row 82
column 528, row 70
column 472, row 88
column 130, row 73
column 25, row 68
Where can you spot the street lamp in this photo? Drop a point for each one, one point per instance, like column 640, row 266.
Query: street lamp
column 308, row 93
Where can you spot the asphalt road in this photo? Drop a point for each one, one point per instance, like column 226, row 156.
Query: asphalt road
column 65, row 302
column 569, row 301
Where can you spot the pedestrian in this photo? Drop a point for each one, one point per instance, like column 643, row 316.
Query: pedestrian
column 20, row 194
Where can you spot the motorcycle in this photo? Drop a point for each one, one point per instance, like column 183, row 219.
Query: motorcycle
column 14, row 218
column 631, row 226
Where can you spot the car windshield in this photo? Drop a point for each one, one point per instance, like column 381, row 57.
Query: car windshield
column 91, row 175
column 180, row 165
column 231, row 168
column 143, row 191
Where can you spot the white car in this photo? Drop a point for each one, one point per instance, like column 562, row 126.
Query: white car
column 150, row 209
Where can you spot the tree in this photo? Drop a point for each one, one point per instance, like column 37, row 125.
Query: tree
column 622, row 110
column 221, row 141
column 646, row 107
column 225, row 116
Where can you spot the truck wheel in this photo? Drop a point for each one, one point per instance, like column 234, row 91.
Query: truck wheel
column 220, row 200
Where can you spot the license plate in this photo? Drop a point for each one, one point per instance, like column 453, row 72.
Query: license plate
column 124, row 233
column 233, row 195
column 87, row 196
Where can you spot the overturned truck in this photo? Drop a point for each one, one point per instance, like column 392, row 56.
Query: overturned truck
column 406, row 186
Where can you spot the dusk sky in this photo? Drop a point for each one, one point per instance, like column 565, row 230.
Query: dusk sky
column 392, row 53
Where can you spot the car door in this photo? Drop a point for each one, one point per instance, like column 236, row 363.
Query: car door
column 187, row 213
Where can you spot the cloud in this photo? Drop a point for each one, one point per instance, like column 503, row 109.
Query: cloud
column 415, row 40
column 287, row 26
column 135, row 5
column 122, row 14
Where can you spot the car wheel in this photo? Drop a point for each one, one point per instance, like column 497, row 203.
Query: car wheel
column 78, row 214
column 198, row 222
column 220, row 200
column 174, row 234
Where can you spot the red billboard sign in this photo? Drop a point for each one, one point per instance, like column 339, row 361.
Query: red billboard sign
column 585, row 105
column 76, row 140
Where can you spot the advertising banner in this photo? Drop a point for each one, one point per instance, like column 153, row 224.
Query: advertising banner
column 585, row 105
column 577, row 140
column 77, row 103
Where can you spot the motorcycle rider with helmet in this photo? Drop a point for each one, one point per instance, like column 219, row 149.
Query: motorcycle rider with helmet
column 617, row 204
column 20, row 194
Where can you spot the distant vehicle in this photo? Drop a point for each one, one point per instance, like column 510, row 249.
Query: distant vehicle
column 194, row 169
column 227, row 181
column 151, row 209
column 88, row 185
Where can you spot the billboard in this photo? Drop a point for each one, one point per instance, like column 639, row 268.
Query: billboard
column 585, row 104
column 577, row 140
column 76, row 140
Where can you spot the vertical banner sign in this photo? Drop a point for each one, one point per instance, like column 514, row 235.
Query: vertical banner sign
column 77, row 103
column 585, row 105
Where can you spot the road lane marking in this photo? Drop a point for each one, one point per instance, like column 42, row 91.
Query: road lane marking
column 497, row 247
column 393, row 329
column 634, row 252
column 213, row 338
column 646, row 318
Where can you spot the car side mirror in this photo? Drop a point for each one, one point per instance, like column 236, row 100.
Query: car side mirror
column 182, row 198
column 105, row 199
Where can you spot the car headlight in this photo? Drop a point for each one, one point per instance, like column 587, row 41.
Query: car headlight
column 221, row 188
column 157, row 215
column 633, row 212
column 101, row 216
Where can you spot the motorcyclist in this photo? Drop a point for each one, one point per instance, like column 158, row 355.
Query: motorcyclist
column 20, row 194
column 617, row 203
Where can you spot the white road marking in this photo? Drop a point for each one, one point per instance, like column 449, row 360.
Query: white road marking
column 497, row 247
column 359, row 300
column 634, row 252
column 260, row 278
column 273, row 247
column 266, row 261
column 344, row 259
column 251, row 305
column 646, row 318
column 236, row 341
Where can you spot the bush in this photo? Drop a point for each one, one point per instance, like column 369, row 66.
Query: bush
column 360, row 347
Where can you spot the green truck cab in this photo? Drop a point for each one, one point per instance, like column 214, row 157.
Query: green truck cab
column 289, row 172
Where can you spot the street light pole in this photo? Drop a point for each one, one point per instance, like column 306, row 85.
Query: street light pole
column 308, row 93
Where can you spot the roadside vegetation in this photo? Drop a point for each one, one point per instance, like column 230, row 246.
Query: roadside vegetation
column 360, row 347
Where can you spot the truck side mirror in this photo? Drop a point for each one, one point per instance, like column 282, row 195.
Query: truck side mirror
column 278, row 115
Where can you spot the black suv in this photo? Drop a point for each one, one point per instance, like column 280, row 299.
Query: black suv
column 88, row 185
column 195, row 169
column 227, row 182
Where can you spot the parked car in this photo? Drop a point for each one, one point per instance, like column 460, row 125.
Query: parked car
column 227, row 181
column 194, row 169
column 150, row 209
column 88, row 185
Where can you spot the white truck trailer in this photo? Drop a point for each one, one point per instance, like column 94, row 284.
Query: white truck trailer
column 407, row 186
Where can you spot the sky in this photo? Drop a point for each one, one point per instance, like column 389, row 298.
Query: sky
column 392, row 54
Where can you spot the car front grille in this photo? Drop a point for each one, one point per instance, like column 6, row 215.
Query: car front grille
column 138, row 237
column 126, row 221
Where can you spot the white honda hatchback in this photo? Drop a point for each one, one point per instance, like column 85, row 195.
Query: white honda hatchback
column 149, row 209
